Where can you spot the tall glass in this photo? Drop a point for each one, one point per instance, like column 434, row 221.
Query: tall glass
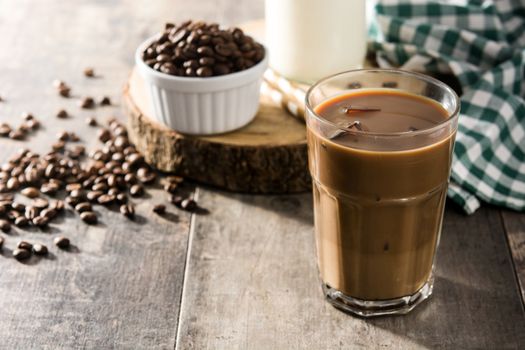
column 379, row 198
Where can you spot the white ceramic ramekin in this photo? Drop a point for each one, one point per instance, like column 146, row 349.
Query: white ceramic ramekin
column 202, row 106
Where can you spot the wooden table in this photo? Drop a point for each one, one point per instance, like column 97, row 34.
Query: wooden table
column 242, row 277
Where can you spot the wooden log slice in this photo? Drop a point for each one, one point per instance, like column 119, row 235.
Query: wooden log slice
column 267, row 156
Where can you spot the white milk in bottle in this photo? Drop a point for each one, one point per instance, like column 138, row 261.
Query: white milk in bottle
column 310, row 39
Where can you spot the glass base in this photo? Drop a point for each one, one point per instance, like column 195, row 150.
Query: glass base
column 371, row 308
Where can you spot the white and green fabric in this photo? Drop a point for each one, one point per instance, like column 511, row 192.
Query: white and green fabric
column 482, row 43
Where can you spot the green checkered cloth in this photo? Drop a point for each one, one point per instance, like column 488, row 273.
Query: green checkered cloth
column 482, row 43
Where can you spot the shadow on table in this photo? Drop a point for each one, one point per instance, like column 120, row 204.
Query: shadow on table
column 456, row 317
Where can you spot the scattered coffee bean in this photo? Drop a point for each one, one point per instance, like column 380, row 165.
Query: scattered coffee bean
column 21, row 254
column 91, row 121
column 170, row 187
column 188, row 204
column 24, row 245
column 145, row 175
column 18, row 206
column 5, row 226
column 31, row 212
column 16, row 135
column 21, row 221
column 57, row 205
column 136, row 190
column 106, row 199
column 73, row 187
column 93, row 195
column 87, row 102
column 40, row 203
column 82, row 207
column 128, row 210
column 104, row 135
column 89, row 217
column 62, row 114
column 177, row 200
column 30, row 192
column 62, row 242
column 64, row 91
column 159, row 209
column 49, row 213
column 89, row 72
column 39, row 249
column 5, row 129
column 40, row 221
column 105, row 101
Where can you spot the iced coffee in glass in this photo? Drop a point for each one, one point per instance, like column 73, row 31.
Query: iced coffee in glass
column 380, row 149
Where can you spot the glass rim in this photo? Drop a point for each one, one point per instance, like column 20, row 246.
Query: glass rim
column 419, row 76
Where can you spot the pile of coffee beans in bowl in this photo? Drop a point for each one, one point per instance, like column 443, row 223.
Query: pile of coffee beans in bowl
column 199, row 49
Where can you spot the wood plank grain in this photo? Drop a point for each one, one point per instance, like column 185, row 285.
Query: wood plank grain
column 252, row 283
column 515, row 229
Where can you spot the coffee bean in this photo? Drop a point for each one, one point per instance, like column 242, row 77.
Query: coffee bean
column 87, row 102
column 62, row 114
column 40, row 221
column 101, row 186
column 13, row 183
column 58, row 146
column 16, row 135
column 121, row 198
column 39, row 249
column 57, row 205
column 93, row 195
column 106, row 199
column 30, row 192
column 206, row 61
column 18, row 206
column 64, row 91
column 105, row 101
column 104, row 135
column 159, row 209
column 188, row 204
column 73, row 187
column 136, row 190
column 49, row 188
column 21, row 221
column 82, row 207
column 24, row 245
column 40, row 203
column 205, row 51
column 170, row 187
column 5, row 129
column 89, row 217
column 12, row 214
column 63, row 136
column 49, row 213
column 145, row 175
column 31, row 212
column 1, row 242
column 204, row 72
column 5, row 226
column 62, row 242
column 89, row 72
column 177, row 200
column 128, row 210
column 21, row 254
column 72, row 201
column 91, row 121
